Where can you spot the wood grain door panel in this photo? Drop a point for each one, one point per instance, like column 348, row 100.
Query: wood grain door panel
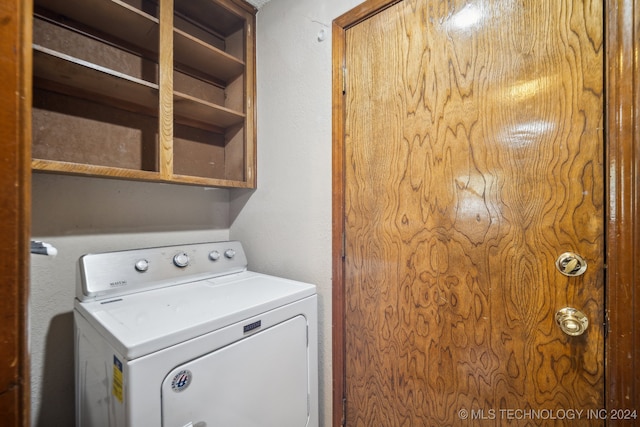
column 473, row 158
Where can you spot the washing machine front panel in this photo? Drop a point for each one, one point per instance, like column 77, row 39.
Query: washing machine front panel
column 261, row 380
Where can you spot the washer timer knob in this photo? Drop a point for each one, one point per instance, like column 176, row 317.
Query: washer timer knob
column 229, row 253
column 181, row 260
column 142, row 265
column 214, row 255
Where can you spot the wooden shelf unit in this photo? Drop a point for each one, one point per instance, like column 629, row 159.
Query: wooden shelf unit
column 147, row 91
column 75, row 76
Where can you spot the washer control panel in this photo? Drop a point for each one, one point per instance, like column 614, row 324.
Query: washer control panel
column 110, row 274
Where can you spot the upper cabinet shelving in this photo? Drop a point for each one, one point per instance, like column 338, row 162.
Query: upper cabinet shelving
column 55, row 69
column 115, row 18
column 199, row 56
column 143, row 90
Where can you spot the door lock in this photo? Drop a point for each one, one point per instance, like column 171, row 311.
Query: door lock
column 571, row 264
column 572, row 322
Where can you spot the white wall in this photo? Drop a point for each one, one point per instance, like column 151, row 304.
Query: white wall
column 285, row 224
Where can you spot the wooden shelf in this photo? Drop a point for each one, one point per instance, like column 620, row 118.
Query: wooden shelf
column 209, row 114
column 95, row 170
column 226, row 22
column 112, row 17
column 205, row 58
column 71, row 74
column 210, row 182
column 69, row 168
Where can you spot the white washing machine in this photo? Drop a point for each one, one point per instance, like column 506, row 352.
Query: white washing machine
column 186, row 336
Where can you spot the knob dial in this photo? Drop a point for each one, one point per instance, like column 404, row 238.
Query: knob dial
column 571, row 321
column 214, row 255
column 142, row 265
column 229, row 253
column 181, row 260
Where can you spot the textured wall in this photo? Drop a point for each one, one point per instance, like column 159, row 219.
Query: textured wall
column 286, row 223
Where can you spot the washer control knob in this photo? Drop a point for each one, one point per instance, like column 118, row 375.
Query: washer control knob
column 181, row 260
column 142, row 265
column 214, row 255
column 229, row 253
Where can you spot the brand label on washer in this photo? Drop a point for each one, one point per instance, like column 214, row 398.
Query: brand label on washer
column 252, row 326
column 181, row 381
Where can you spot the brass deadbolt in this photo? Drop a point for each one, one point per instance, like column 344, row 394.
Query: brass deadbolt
column 571, row 264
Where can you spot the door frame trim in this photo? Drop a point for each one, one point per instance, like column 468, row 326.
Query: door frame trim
column 622, row 285
column 15, row 215
column 622, row 172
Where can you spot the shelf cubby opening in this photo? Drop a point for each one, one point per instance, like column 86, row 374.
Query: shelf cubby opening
column 72, row 130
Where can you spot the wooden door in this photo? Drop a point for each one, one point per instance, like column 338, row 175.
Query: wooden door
column 473, row 159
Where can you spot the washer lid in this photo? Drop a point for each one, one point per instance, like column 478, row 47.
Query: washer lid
column 146, row 322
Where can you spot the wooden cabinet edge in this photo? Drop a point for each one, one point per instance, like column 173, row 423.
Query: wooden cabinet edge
column 106, row 172
column 54, row 166
column 238, row 6
column 211, row 182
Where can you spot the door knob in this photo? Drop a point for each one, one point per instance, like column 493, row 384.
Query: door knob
column 572, row 322
column 571, row 264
